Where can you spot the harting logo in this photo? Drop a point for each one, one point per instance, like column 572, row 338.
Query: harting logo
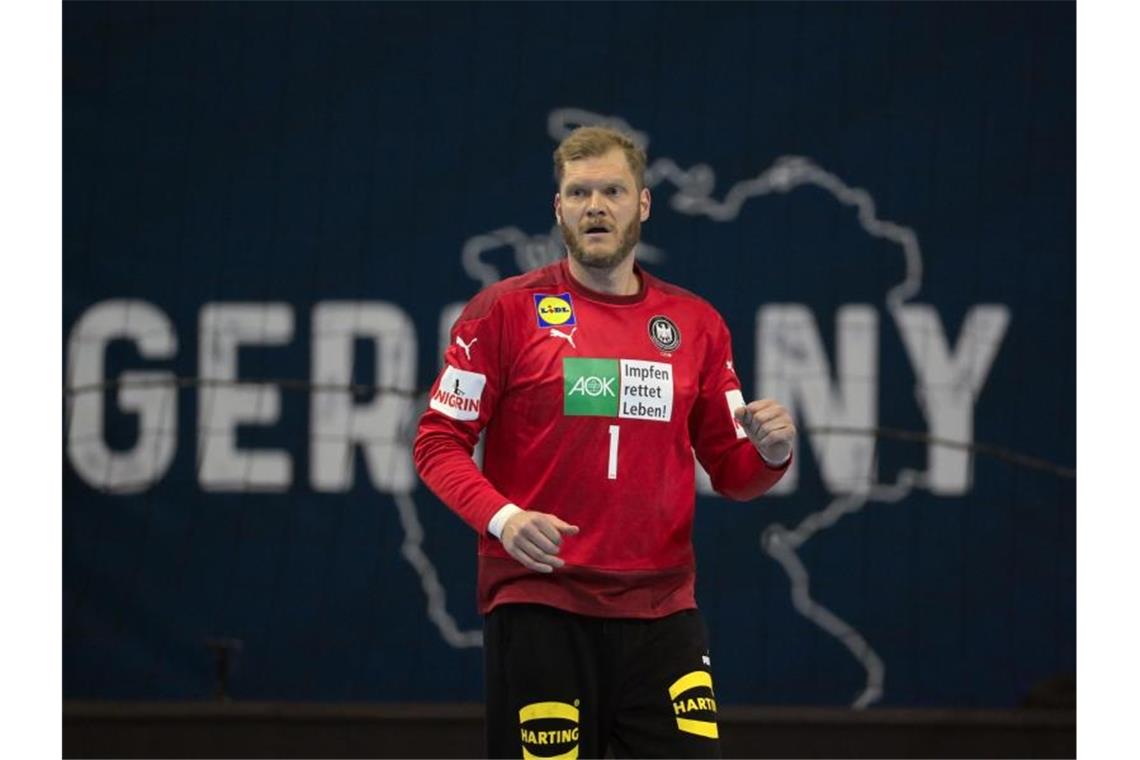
column 549, row 731
column 688, row 702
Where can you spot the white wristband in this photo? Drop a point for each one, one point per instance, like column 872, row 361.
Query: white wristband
column 495, row 527
column 774, row 465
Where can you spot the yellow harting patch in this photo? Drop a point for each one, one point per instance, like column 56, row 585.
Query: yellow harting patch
column 684, row 703
column 548, row 738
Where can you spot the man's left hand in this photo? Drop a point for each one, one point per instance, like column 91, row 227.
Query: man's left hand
column 770, row 428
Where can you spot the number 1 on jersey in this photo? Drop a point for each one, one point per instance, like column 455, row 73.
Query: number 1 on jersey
column 611, row 472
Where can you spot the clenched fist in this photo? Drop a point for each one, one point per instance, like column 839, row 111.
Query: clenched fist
column 535, row 538
column 769, row 427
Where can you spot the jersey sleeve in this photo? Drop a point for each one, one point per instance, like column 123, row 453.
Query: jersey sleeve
column 462, row 400
column 734, row 466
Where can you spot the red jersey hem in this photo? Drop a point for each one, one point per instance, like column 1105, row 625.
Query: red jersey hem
column 645, row 594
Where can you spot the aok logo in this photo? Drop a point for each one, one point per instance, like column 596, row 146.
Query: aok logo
column 554, row 310
column 694, row 704
column 594, row 386
column 549, row 731
column 590, row 387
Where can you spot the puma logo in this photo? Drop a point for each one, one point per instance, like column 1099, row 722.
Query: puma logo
column 466, row 346
column 559, row 334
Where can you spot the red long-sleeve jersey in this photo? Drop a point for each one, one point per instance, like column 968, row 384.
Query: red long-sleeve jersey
column 593, row 405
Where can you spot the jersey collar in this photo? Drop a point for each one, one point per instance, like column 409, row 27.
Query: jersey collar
column 593, row 295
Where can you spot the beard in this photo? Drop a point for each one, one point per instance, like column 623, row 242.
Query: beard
column 597, row 257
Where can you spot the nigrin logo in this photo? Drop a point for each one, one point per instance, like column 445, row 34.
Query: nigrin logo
column 456, row 400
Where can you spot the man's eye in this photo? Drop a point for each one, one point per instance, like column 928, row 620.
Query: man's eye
column 613, row 190
column 577, row 193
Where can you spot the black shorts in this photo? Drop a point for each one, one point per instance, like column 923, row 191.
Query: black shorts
column 561, row 685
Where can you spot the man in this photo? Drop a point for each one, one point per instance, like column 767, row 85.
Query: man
column 595, row 382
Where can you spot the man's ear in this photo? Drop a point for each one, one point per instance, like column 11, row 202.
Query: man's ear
column 558, row 207
column 645, row 202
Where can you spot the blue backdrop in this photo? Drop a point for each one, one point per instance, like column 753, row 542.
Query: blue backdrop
column 814, row 156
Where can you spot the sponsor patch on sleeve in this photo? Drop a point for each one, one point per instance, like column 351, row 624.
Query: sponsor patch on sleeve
column 735, row 400
column 459, row 394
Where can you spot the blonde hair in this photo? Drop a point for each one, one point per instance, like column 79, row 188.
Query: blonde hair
column 591, row 142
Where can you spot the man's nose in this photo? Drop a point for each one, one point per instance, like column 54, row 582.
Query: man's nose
column 595, row 205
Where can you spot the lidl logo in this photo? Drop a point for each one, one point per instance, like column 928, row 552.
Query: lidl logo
column 627, row 388
column 554, row 310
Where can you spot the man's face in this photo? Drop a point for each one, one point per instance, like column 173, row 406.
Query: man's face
column 600, row 209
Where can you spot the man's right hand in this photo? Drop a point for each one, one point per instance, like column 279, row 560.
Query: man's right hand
column 535, row 538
